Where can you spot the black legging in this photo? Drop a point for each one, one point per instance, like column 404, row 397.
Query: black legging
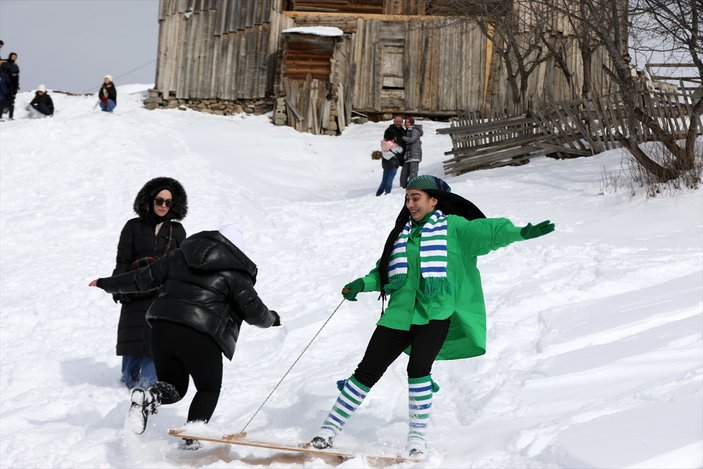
column 387, row 344
column 180, row 352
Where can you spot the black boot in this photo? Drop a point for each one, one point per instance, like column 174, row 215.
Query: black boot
column 145, row 402
column 166, row 392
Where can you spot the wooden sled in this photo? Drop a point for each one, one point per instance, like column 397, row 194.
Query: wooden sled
column 239, row 439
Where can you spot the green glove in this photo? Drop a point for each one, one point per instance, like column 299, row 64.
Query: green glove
column 538, row 230
column 352, row 289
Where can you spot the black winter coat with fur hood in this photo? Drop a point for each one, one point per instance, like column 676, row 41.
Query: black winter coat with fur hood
column 139, row 239
column 207, row 284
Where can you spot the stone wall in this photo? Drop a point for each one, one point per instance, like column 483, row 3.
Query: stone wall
column 222, row 107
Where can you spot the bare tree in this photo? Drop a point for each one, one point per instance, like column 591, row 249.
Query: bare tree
column 676, row 22
column 673, row 25
column 517, row 37
column 676, row 29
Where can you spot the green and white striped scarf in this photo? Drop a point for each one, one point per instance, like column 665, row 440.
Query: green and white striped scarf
column 433, row 256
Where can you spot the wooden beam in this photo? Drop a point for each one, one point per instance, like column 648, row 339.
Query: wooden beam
column 368, row 16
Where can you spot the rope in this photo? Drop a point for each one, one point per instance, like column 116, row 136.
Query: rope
column 243, row 433
column 120, row 76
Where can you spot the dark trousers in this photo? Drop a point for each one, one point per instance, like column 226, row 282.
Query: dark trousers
column 408, row 173
column 180, row 352
column 43, row 108
column 9, row 105
column 387, row 344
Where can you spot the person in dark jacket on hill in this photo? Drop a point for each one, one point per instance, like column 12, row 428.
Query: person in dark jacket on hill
column 396, row 132
column 207, row 291
column 42, row 105
column 9, row 85
column 107, row 94
column 152, row 234
column 391, row 153
column 413, row 151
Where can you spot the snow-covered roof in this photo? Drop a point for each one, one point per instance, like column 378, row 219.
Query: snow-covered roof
column 330, row 31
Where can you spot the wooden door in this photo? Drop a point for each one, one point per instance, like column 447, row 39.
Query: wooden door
column 392, row 76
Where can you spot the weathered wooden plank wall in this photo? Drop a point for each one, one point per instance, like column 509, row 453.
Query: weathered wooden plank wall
column 445, row 63
column 225, row 49
column 402, row 61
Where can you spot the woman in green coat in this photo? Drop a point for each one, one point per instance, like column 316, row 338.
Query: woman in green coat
column 436, row 309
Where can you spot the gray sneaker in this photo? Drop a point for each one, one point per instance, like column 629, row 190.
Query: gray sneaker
column 321, row 442
column 188, row 444
column 415, row 453
column 417, row 448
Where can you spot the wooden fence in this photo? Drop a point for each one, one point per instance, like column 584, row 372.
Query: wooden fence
column 568, row 129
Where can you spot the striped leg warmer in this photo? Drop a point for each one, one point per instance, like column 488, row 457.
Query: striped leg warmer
column 352, row 394
column 420, row 391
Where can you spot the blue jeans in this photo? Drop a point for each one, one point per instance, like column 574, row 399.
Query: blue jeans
column 110, row 105
column 138, row 370
column 387, row 181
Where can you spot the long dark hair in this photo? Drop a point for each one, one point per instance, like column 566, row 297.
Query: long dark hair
column 448, row 202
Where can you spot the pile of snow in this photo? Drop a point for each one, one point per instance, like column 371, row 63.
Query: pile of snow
column 595, row 339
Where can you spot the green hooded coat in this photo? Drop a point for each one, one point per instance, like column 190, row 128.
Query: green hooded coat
column 464, row 304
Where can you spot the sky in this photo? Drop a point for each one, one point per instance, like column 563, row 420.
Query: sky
column 595, row 331
column 70, row 45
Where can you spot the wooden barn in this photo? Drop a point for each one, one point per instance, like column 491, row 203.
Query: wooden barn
column 317, row 61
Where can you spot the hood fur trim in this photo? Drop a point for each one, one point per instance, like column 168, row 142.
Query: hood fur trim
column 142, row 203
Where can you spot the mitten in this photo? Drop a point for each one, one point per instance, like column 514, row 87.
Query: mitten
column 121, row 298
column 352, row 289
column 277, row 321
column 537, row 230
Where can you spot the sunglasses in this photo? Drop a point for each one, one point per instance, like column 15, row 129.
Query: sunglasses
column 160, row 202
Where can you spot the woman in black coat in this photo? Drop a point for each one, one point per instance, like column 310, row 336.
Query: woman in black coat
column 207, row 291
column 153, row 234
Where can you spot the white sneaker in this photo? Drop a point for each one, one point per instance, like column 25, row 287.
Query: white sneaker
column 143, row 405
column 417, row 448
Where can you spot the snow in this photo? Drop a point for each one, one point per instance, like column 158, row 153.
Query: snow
column 316, row 30
column 595, row 332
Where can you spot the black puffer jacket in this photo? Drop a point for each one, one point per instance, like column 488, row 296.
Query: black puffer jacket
column 207, row 284
column 139, row 239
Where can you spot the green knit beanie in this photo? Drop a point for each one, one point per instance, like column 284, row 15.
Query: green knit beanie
column 427, row 182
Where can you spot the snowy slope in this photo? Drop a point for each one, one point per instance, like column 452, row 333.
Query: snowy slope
column 595, row 340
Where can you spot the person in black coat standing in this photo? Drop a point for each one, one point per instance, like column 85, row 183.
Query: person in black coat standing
column 207, row 291
column 9, row 84
column 396, row 131
column 152, row 234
